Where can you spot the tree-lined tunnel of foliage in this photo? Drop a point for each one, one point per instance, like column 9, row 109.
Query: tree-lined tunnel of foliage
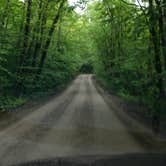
column 45, row 43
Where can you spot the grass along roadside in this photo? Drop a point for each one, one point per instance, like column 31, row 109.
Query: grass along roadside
column 14, row 112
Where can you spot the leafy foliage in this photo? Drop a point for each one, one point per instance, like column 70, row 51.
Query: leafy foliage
column 38, row 50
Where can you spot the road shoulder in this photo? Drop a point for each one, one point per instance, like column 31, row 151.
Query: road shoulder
column 136, row 128
column 7, row 118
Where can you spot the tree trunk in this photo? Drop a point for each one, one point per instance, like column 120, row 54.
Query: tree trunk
column 164, row 33
column 4, row 17
column 161, row 20
column 48, row 40
column 59, row 38
column 39, row 39
column 156, row 45
column 26, row 32
column 158, row 66
column 19, row 82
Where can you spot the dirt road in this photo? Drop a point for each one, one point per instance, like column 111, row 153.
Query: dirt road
column 77, row 122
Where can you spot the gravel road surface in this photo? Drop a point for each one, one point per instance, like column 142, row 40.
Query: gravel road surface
column 76, row 122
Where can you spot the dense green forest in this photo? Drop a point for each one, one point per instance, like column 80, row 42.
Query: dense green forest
column 45, row 43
